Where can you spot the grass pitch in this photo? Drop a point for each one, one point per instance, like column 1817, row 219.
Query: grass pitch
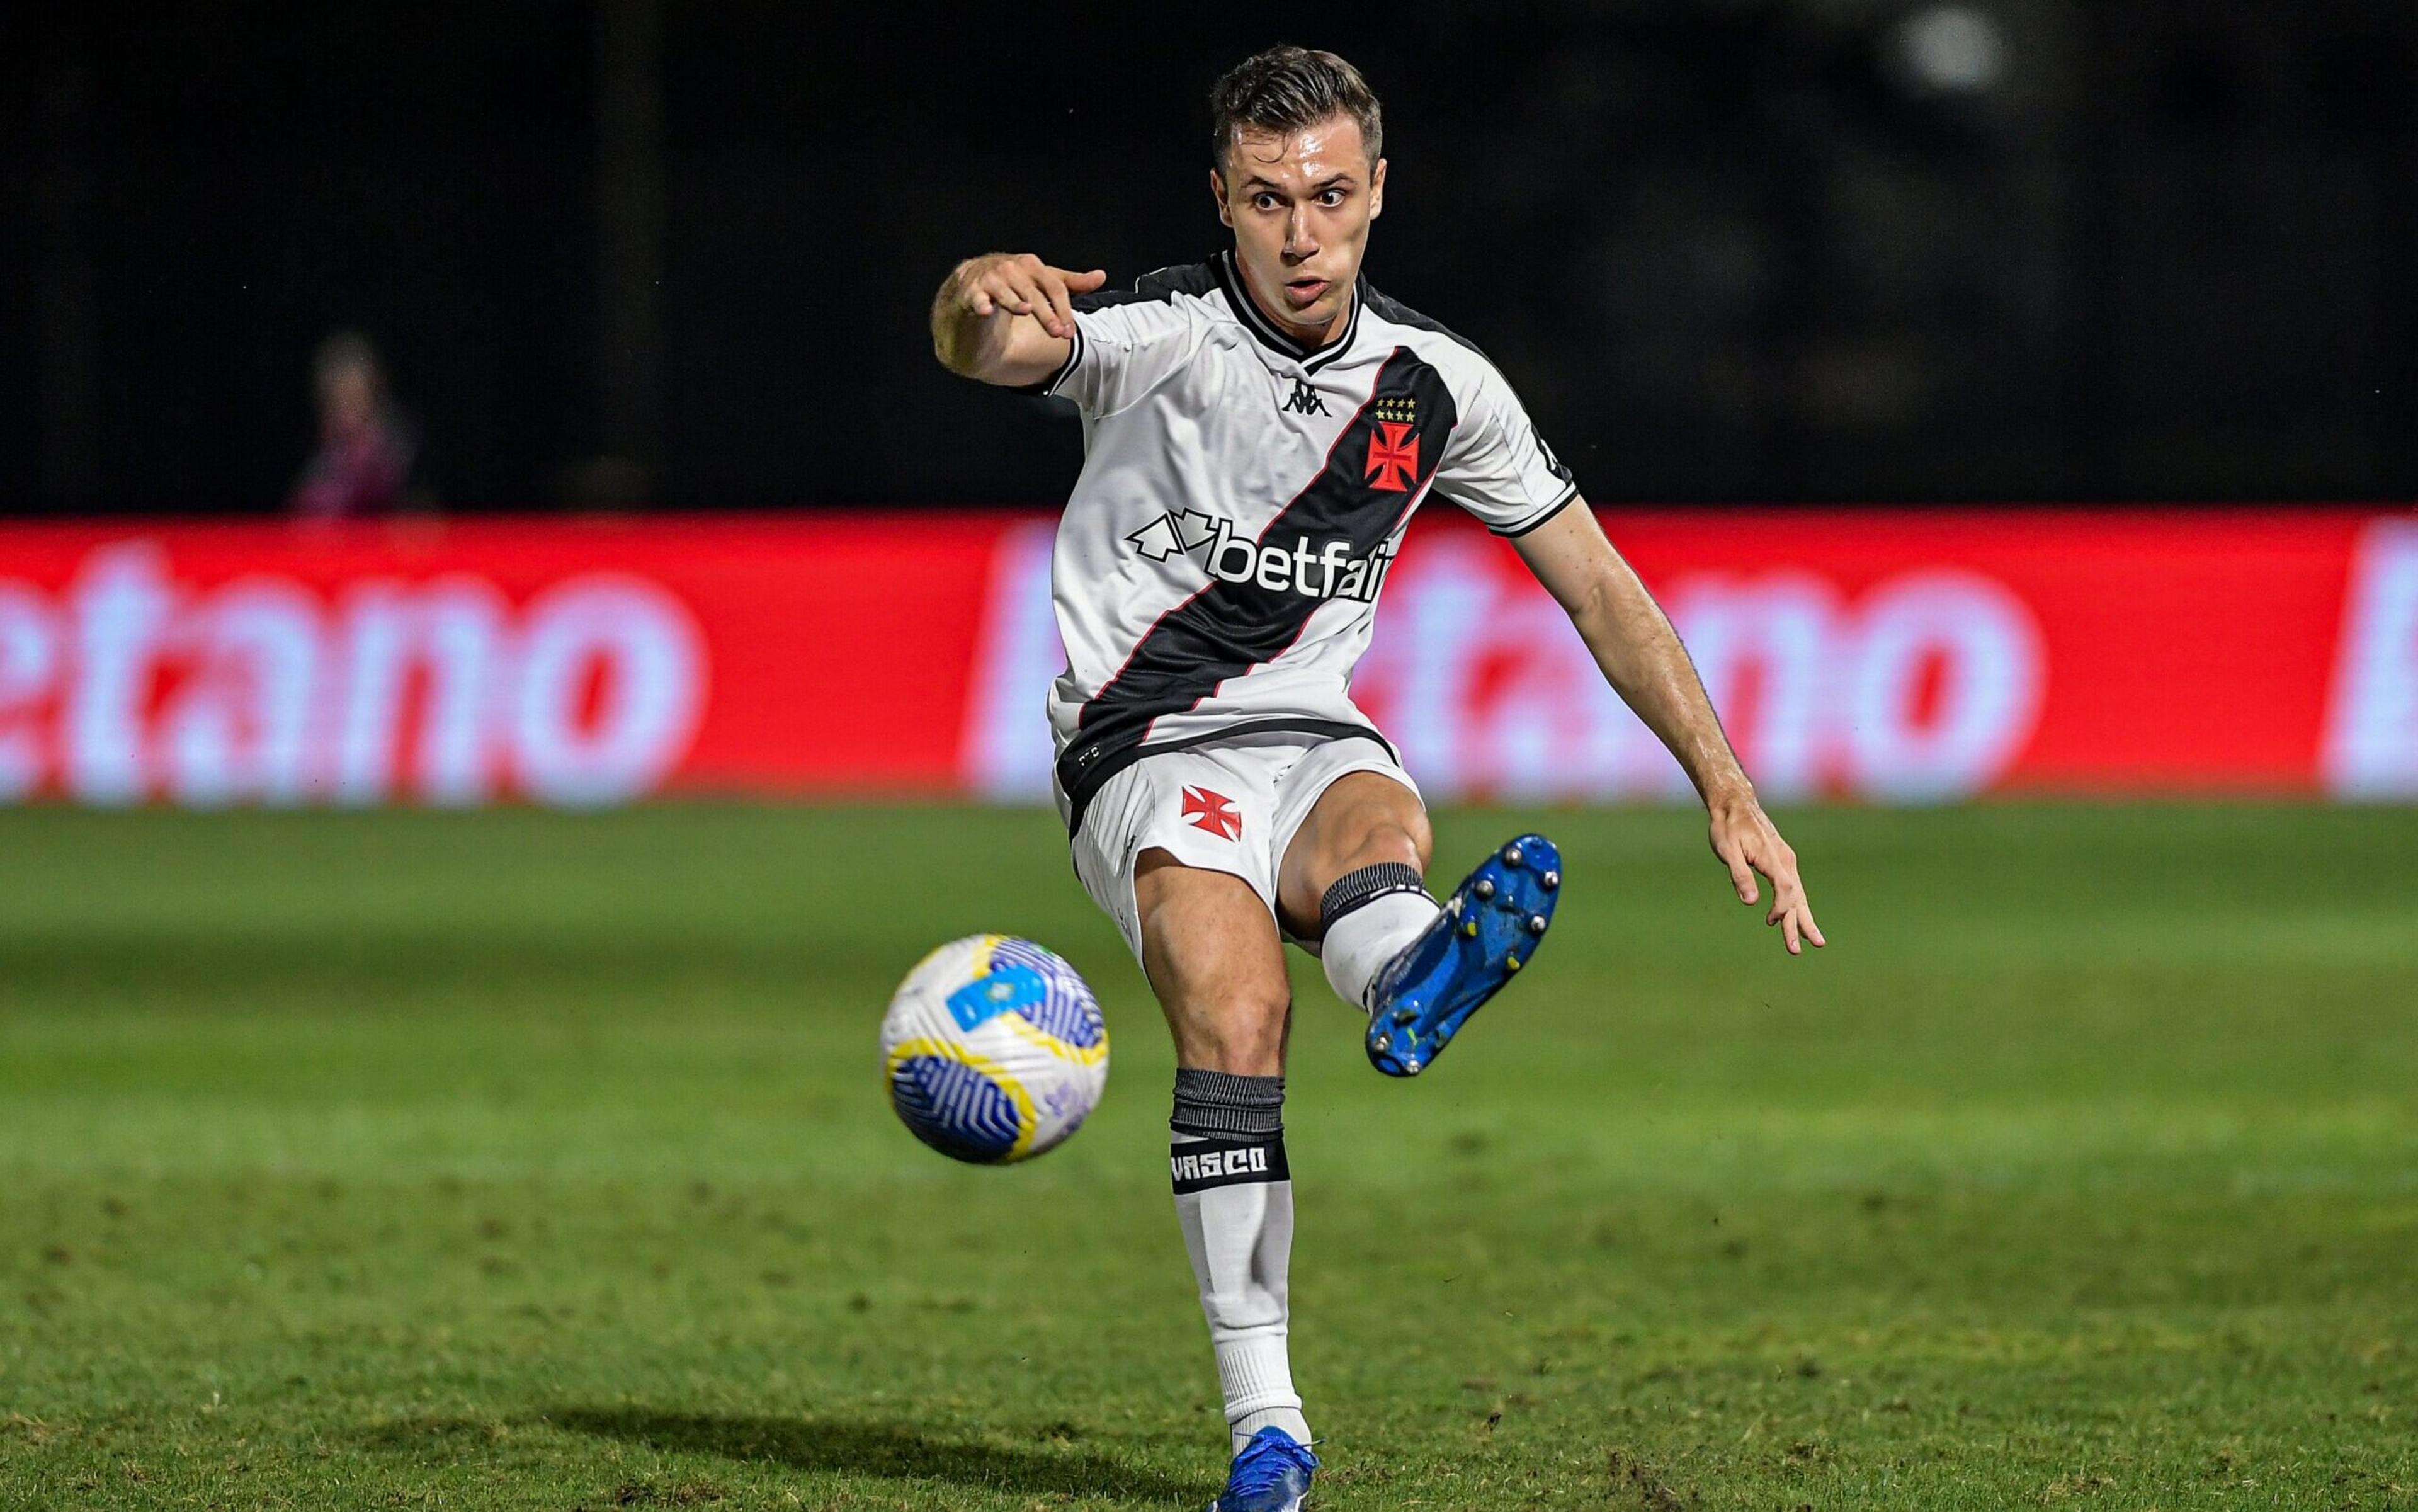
column 517, row 1160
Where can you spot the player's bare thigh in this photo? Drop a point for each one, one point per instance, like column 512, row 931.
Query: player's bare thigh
column 1213, row 956
column 1364, row 818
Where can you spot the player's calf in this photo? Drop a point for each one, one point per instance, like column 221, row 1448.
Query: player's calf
column 1367, row 918
column 1233, row 1197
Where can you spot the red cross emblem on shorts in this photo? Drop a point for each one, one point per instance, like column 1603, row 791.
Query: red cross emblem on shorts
column 1393, row 458
column 1213, row 811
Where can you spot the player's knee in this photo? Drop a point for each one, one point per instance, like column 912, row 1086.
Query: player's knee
column 1396, row 838
column 1388, row 826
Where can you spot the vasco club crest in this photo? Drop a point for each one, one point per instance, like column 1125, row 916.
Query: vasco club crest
column 1393, row 464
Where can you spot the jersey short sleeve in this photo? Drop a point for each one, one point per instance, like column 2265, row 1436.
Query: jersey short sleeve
column 1497, row 467
column 1123, row 350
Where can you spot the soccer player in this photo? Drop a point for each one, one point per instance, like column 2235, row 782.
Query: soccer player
column 1257, row 430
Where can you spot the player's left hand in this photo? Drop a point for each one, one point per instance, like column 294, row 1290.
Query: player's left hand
column 1744, row 838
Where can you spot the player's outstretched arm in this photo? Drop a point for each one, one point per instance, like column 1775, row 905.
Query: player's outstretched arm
column 1008, row 317
column 1641, row 656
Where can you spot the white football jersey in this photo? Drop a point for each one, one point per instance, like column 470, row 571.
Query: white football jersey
column 1218, row 566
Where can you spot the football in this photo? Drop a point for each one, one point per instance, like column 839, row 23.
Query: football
column 994, row 1050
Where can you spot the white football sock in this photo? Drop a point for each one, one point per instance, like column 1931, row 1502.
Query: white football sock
column 1371, row 916
column 1233, row 1197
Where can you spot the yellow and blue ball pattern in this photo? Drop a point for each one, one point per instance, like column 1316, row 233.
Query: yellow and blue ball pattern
column 994, row 1050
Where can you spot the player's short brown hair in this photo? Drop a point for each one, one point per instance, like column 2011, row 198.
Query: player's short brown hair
column 1285, row 89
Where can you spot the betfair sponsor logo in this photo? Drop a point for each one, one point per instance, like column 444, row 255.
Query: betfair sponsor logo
column 1314, row 569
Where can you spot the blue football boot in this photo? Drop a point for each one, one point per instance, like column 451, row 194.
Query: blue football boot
column 1488, row 929
column 1271, row 1474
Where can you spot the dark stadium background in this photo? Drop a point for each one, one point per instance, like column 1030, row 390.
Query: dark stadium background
column 1729, row 252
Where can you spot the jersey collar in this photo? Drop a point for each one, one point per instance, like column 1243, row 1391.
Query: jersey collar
column 1267, row 331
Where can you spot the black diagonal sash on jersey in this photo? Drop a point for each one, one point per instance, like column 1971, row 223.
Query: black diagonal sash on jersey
column 1228, row 628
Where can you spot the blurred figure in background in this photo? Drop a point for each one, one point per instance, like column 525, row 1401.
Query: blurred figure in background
column 363, row 464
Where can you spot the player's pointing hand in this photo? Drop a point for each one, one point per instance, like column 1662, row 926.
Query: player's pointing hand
column 1023, row 284
column 1747, row 842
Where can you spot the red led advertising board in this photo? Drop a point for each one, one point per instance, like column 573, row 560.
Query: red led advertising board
column 1873, row 655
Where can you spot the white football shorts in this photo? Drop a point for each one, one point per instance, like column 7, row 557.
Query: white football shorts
column 1228, row 806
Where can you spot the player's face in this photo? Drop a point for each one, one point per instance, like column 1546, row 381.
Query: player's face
column 1300, row 205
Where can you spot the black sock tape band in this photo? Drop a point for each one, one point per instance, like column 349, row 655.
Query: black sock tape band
column 1358, row 890
column 1219, row 1105
column 1199, row 1165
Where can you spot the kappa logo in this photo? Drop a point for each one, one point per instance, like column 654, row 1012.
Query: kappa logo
column 1213, row 811
column 1305, row 401
column 1323, row 570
